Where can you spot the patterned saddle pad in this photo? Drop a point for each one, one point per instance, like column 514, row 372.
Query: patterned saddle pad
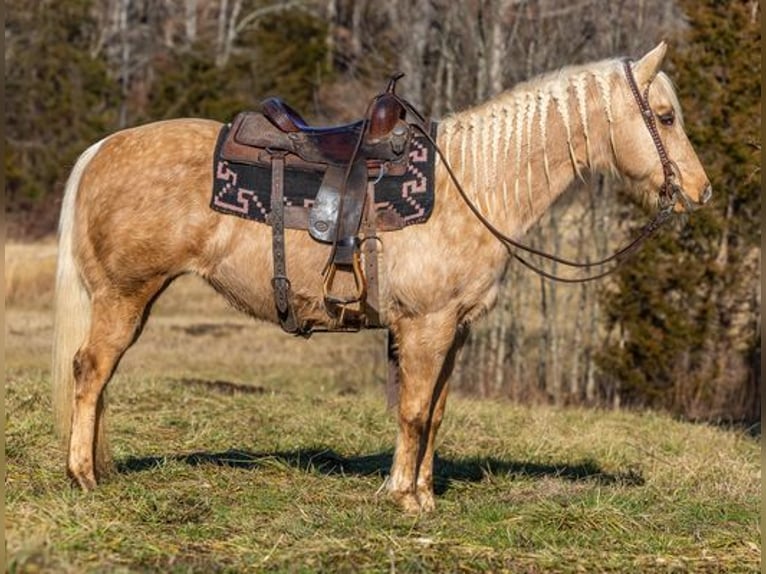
column 244, row 189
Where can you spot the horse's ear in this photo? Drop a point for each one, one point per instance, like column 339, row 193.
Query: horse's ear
column 648, row 66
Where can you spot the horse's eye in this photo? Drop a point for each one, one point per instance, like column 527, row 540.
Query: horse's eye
column 667, row 118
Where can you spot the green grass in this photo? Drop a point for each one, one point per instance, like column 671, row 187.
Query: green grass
column 241, row 449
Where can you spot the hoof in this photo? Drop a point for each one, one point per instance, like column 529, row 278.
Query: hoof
column 412, row 502
column 407, row 501
column 86, row 481
column 427, row 500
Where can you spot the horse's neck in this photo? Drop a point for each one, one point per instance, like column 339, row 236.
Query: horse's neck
column 517, row 154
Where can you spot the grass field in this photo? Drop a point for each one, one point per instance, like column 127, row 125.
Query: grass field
column 242, row 449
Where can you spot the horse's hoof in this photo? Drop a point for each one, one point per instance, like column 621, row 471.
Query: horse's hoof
column 85, row 481
column 414, row 503
column 427, row 501
column 410, row 504
column 407, row 501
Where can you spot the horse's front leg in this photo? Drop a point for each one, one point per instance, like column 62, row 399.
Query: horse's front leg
column 424, row 343
column 425, row 481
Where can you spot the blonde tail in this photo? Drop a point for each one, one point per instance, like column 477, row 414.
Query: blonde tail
column 72, row 312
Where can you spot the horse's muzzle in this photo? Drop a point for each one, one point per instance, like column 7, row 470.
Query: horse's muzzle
column 682, row 203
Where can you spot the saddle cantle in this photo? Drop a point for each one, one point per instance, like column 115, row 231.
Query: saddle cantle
column 349, row 159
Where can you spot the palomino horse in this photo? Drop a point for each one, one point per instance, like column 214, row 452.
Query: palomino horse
column 515, row 154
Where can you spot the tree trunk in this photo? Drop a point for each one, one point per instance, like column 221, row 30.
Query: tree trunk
column 190, row 22
column 552, row 318
column 498, row 46
column 493, row 365
column 122, row 27
column 227, row 31
column 443, row 81
column 223, row 15
column 415, row 27
column 331, row 17
column 357, row 31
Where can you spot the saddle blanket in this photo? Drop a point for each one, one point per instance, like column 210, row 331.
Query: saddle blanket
column 244, row 190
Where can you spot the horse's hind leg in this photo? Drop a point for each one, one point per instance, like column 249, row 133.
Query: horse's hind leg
column 116, row 321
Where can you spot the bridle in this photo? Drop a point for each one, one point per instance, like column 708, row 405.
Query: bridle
column 669, row 190
column 670, row 193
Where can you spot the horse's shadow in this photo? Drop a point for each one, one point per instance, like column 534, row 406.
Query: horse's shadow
column 446, row 470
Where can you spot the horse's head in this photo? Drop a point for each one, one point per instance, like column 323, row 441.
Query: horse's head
column 655, row 168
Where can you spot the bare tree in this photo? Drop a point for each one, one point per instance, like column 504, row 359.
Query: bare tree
column 190, row 22
column 413, row 21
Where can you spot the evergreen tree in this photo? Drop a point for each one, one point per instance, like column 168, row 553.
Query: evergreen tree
column 58, row 98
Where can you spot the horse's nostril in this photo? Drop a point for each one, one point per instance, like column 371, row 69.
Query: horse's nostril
column 707, row 193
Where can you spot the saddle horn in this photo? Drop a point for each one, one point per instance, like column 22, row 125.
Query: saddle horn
column 395, row 77
column 386, row 109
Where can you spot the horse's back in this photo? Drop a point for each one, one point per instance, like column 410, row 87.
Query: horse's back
column 157, row 146
column 136, row 159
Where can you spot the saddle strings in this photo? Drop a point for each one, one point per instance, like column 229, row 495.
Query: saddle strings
column 662, row 216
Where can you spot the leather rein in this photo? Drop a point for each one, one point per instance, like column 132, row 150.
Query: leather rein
column 670, row 193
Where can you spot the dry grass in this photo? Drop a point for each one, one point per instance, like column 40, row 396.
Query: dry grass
column 242, row 449
column 30, row 274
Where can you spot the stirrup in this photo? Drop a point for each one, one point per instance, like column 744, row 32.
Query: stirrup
column 359, row 283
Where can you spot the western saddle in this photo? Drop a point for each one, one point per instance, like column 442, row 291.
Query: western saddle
column 349, row 157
